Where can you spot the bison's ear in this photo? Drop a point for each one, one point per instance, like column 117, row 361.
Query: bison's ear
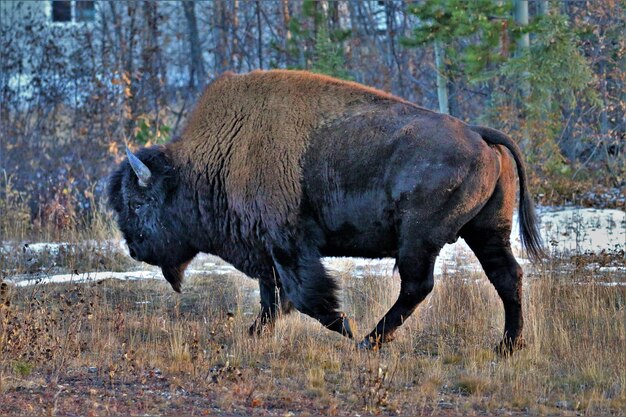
column 174, row 275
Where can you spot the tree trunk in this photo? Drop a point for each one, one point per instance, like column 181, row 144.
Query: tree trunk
column 355, row 38
column 523, row 43
column 219, row 51
column 151, row 60
column 392, row 57
column 259, row 33
column 523, row 46
column 236, row 56
column 286, row 31
column 197, row 74
column 521, row 17
column 119, row 39
column 543, row 8
column 442, row 84
column 129, row 69
column 333, row 15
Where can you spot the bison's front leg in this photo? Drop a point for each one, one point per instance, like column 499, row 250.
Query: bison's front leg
column 274, row 302
column 311, row 290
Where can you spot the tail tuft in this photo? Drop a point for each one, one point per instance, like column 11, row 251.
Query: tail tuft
column 528, row 224
column 529, row 229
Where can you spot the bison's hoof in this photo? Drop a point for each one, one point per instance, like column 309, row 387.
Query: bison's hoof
column 254, row 330
column 257, row 329
column 369, row 343
column 347, row 328
column 506, row 347
column 338, row 323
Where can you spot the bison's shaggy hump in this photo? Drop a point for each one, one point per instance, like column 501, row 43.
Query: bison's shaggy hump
column 248, row 134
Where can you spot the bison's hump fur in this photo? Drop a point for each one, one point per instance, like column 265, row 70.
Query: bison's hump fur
column 251, row 131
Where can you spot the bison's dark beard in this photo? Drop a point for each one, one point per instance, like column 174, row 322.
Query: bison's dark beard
column 174, row 274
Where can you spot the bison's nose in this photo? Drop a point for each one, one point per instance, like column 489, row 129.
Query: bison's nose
column 132, row 253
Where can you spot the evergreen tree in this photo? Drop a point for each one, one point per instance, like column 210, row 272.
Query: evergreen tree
column 328, row 56
column 560, row 78
column 483, row 26
column 313, row 46
column 469, row 38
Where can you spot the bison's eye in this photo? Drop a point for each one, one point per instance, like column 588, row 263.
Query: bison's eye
column 135, row 206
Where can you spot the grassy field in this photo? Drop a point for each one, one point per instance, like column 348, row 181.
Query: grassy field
column 136, row 348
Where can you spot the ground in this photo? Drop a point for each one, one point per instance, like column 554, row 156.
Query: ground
column 134, row 347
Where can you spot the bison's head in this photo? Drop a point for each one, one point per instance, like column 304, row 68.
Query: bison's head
column 144, row 194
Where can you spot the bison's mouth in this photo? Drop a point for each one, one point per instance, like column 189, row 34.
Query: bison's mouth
column 174, row 274
column 139, row 253
column 132, row 253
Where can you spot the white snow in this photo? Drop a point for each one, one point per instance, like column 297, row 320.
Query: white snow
column 84, row 277
column 53, row 248
column 22, row 281
column 584, row 230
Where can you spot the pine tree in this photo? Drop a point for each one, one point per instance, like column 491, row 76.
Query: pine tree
column 328, row 56
column 559, row 79
column 313, row 46
column 483, row 25
column 469, row 39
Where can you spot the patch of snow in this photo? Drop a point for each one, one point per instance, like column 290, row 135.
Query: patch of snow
column 454, row 257
column 214, row 270
column 578, row 230
column 84, row 277
column 22, row 281
column 584, row 230
column 53, row 248
column 36, row 247
column 612, row 269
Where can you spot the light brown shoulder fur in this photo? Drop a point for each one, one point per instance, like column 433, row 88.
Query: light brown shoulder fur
column 251, row 131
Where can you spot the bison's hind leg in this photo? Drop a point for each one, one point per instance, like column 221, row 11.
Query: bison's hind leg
column 505, row 274
column 309, row 288
column 488, row 235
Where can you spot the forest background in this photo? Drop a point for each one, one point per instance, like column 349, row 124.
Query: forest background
column 84, row 330
column 80, row 79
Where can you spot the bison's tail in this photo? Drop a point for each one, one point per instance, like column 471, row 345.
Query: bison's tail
column 528, row 225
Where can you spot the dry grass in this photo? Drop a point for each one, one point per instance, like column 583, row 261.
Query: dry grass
column 84, row 243
column 137, row 348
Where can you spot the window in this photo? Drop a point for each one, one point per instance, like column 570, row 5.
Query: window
column 73, row 11
column 61, row 11
column 85, row 11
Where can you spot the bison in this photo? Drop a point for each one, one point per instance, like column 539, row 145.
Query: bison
column 276, row 169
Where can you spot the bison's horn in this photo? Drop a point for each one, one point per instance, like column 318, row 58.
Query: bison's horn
column 142, row 171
